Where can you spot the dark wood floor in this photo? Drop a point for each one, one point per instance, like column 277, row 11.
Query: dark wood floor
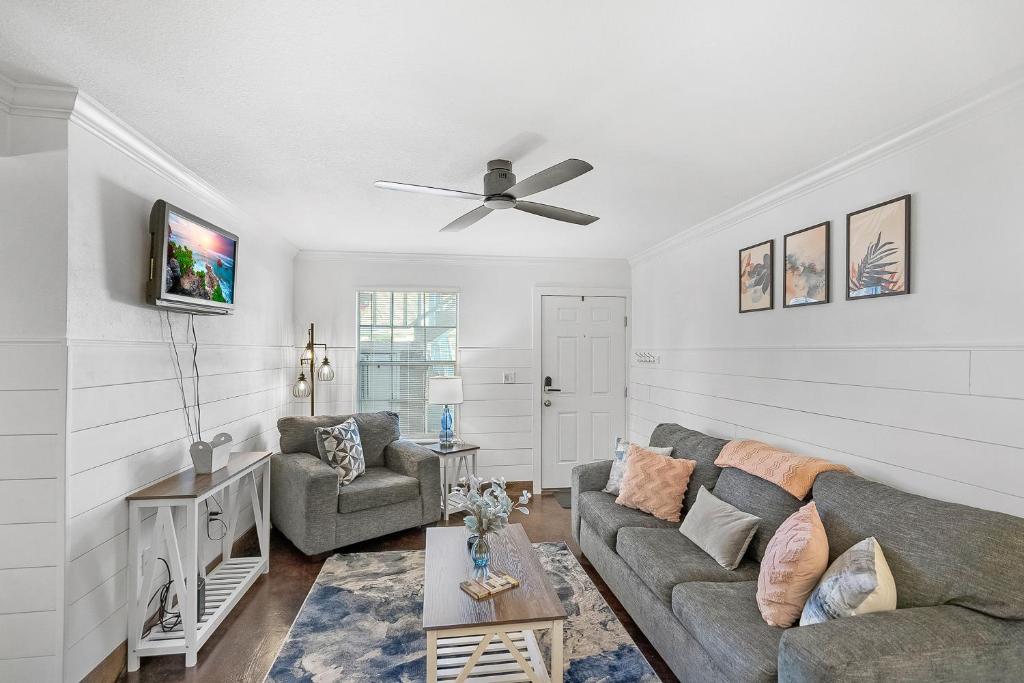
column 245, row 645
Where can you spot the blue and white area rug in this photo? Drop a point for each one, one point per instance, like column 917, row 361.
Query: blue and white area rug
column 361, row 622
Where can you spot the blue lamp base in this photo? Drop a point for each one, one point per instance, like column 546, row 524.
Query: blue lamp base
column 447, row 435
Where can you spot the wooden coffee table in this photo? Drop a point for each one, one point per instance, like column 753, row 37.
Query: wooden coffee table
column 467, row 638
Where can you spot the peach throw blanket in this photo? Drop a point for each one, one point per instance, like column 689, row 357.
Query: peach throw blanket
column 794, row 473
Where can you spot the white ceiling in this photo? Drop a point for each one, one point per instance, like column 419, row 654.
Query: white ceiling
column 683, row 107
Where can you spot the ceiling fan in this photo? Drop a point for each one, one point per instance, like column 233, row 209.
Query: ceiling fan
column 501, row 191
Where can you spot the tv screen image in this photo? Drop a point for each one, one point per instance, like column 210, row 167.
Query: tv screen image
column 200, row 261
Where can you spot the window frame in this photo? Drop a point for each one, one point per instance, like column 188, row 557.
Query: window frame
column 356, row 387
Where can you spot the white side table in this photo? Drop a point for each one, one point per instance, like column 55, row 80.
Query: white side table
column 184, row 493
column 463, row 456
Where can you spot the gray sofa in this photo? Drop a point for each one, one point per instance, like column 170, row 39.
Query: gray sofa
column 400, row 489
column 959, row 575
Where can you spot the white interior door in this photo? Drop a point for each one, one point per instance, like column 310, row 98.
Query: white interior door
column 584, row 408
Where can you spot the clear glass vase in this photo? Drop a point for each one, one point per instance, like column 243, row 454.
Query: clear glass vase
column 481, row 554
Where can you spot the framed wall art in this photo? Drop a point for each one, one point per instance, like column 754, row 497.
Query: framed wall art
column 878, row 250
column 756, row 277
column 805, row 263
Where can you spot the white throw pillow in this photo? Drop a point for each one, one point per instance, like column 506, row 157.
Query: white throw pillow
column 858, row 582
column 341, row 448
column 619, row 463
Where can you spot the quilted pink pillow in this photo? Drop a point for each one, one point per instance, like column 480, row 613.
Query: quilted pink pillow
column 794, row 560
column 655, row 483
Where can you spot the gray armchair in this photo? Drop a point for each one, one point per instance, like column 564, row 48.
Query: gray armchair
column 400, row 489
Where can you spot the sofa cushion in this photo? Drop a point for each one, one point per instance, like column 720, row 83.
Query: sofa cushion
column 376, row 430
column 691, row 445
column 924, row 645
column 757, row 497
column 663, row 558
column 723, row 618
column 939, row 553
column 599, row 510
column 377, row 487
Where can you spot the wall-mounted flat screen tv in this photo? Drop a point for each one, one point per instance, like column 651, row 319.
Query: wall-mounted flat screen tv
column 193, row 263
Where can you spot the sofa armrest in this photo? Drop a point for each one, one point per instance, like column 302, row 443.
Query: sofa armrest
column 943, row 643
column 413, row 460
column 592, row 476
column 304, row 500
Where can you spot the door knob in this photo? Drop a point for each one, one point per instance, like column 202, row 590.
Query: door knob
column 547, row 403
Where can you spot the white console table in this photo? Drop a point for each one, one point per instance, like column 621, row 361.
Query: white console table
column 185, row 492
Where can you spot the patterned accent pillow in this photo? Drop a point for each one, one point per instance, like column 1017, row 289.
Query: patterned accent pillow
column 858, row 582
column 622, row 449
column 655, row 483
column 341, row 448
column 794, row 560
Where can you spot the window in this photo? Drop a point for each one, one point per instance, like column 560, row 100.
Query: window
column 404, row 338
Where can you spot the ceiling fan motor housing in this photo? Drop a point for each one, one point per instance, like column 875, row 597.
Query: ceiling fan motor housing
column 499, row 177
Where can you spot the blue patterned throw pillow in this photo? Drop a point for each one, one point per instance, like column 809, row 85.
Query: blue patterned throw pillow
column 858, row 582
column 619, row 463
column 341, row 448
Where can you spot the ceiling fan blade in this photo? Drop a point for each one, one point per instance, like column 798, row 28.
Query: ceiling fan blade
column 426, row 189
column 556, row 212
column 467, row 219
column 549, row 177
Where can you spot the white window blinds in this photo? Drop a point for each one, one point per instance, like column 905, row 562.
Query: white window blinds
column 404, row 338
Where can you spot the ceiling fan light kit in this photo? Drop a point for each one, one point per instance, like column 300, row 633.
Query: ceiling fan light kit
column 501, row 191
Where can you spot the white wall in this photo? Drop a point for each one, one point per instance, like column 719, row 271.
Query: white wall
column 495, row 332
column 922, row 391
column 125, row 425
column 33, row 254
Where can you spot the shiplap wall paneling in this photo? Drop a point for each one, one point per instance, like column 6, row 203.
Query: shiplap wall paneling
column 32, row 413
column 128, row 431
column 913, row 426
column 496, row 416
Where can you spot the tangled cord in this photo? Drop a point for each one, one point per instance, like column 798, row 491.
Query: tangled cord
column 167, row 619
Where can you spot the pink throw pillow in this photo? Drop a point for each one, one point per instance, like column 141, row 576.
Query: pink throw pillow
column 794, row 561
column 655, row 483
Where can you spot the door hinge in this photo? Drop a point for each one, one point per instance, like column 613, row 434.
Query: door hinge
column 625, row 321
column 625, row 392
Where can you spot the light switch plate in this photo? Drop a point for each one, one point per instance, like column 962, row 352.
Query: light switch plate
column 508, row 377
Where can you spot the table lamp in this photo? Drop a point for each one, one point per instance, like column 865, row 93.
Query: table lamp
column 445, row 391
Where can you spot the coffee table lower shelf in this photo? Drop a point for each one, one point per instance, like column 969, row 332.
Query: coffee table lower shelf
column 496, row 654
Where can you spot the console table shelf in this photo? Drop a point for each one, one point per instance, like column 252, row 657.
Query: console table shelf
column 225, row 585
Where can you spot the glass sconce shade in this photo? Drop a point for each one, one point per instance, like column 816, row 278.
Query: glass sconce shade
column 326, row 371
column 301, row 387
column 307, row 355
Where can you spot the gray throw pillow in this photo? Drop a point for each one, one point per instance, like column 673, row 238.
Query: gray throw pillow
column 619, row 463
column 719, row 529
column 341, row 448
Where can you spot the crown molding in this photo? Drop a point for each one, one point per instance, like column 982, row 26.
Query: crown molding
column 978, row 103
column 446, row 259
column 77, row 107
column 93, row 117
column 43, row 101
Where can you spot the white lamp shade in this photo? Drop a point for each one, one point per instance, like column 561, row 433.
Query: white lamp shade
column 444, row 390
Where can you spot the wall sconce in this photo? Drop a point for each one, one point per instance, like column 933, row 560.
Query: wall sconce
column 304, row 388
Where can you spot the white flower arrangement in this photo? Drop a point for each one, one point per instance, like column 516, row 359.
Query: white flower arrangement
column 489, row 506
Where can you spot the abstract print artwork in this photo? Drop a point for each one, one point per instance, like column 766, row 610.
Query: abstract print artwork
column 806, row 266
column 756, row 276
column 878, row 250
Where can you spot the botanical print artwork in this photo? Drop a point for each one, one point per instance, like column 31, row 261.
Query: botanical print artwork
column 806, row 262
column 878, row 250
column 756, row 277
